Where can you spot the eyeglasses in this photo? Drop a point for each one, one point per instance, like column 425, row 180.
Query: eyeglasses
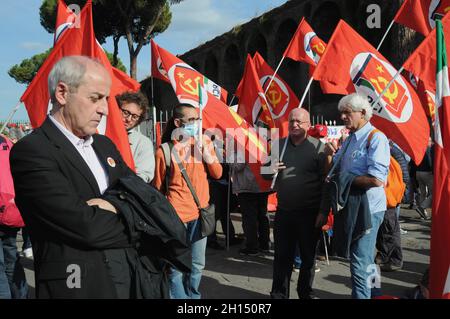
column 292, row 122
column 127, row 114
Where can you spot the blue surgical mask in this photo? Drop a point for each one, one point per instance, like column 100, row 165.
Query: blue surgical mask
column 191, row 129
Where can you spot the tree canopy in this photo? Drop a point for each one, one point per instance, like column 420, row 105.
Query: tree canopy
column 136, row 20
column 27, row 69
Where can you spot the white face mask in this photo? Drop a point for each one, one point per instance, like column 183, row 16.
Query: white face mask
column 191, row 129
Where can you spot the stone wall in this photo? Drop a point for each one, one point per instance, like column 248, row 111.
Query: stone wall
column 222, row 59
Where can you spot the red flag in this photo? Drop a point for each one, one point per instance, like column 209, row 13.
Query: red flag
column 163, row 65
column 305, row 45
column 351, row 64
column 77, row 41
column 440, row 235
column 66, row 19
column 218, row 115
column 252, row 101
column 280, row 97
column 421, row 65
column 420, row 15
column 215, row 114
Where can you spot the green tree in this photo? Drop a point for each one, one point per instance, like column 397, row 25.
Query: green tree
column 27, row 69
column 136, row 20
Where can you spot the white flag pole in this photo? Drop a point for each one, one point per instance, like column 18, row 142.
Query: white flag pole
column 13, row 111
column 273, row 76
column 308, row 86
column 385, row 34
column 330, row 173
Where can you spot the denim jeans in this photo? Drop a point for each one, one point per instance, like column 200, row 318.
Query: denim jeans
column 12, row 276
column 362, row 266
column 186, row 285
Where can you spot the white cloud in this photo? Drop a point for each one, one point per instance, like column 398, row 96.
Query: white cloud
column 33, row 46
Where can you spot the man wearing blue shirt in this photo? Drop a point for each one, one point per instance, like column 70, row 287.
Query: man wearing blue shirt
column 370, row 162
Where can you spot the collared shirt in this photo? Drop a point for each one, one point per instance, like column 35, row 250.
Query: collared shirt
column 84, row 147
column 373, row 161
column 143, row 155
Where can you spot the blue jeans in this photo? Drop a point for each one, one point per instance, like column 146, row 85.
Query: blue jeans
column 186, row 285
column 362, row 267
column 12, row 276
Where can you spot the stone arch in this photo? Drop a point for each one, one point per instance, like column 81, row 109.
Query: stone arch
column 233, row 66
column 325, row 19
column 196, row 66
column 257, row 42
column 307, row 9
column 211, row 67
column 284, row 34
column 290, row 69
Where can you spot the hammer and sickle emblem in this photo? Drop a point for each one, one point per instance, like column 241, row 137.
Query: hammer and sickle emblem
column 319, row 47
column 188, row 87
column 274, row 96
column 391, row 94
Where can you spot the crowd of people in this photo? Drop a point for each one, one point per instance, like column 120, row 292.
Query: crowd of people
column 86, row 245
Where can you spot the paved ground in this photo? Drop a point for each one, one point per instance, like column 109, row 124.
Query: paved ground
column 229, row 275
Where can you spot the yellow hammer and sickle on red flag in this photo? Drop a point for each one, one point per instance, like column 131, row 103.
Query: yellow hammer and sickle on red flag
column 390, row 95
column 252, row 137
column 274, row 96
column 189, row 88
column 320, row 48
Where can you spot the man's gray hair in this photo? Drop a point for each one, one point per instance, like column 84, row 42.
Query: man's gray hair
column 357, row 102
column 69, row 70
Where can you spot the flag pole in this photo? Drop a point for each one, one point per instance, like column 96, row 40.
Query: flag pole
column 375, row 102
column 13, row 111
column 200, row 133
column 287, row 138
column 281, row 158
column 388, row 85
column 153, row 112
column 385, row 34
column 268, row 86
column 228, row 208
column 273, row 76
column 308, row 86
column 232, row 99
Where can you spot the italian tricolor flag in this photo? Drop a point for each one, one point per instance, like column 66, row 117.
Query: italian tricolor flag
column 440, row 229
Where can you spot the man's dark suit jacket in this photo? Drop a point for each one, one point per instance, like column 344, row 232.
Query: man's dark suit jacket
column 52, row 184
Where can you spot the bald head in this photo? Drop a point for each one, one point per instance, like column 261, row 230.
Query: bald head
column 299, row 124
column 299, row 113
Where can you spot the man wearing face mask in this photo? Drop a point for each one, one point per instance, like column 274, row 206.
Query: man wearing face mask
column 197, row 160
column 133, row 107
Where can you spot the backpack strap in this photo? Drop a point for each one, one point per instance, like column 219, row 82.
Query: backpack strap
column 167, row 151
column 370, row 137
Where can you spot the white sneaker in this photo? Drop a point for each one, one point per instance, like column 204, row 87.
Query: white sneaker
column 402, row 231
column 28, row 252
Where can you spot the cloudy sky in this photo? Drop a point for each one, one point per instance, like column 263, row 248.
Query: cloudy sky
column 193, row 22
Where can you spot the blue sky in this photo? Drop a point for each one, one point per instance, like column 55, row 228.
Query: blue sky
column 193, row 23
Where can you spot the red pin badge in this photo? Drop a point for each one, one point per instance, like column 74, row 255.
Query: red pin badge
column 111, row 162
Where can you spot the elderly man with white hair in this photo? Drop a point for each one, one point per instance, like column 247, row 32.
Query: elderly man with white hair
column 365, row 154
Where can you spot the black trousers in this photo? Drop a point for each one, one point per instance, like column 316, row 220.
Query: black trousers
column 255, row 220
column 218, row 196
column 292, row 228
column 388, row 239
